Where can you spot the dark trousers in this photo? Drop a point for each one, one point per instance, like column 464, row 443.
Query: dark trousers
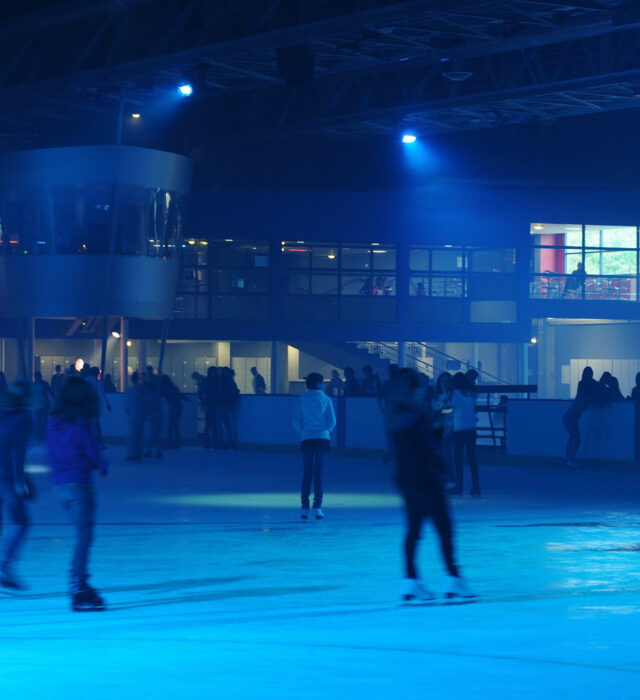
column 210, row 427
column 428, row 504
column 465, row 441
column 313, row 460
column 173, row 426
column 225, row 427
column 573, row 443
column 15, row 522
column 80, row 503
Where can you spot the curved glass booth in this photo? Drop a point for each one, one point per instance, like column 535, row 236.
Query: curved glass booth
column 91, row 231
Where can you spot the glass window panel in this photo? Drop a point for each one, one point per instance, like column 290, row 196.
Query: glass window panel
column 610, row 236
column 240, row 281
column 447, row 259
column 446, row 286
column 295, row 256
column 419, row 286
column 248, row 254
column 324, row 256
column 610, row 262
column 493, row 260
column 419, row 259
column 384, row 286
column 571, row 261
column 324, row 284
column 297, row 283
column 356, row 258
column 384, row 258
column 357, row 285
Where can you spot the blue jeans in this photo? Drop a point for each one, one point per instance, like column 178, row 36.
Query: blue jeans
column 15, row 520
column 80, row 503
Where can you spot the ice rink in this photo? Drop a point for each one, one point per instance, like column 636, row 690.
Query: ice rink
column 217, row 590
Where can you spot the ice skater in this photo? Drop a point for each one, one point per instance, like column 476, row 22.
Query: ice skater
column 16, row 425
column 419, row 467
column 314, row 419
column 74, row 454
column 464, row 433
column 589, row 393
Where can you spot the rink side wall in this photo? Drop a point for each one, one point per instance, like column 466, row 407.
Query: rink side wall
column 535, row 428
column 266, row 420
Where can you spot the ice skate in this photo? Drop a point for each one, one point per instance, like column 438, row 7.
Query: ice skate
column 304, row 513
column 84, row 598
column 456, row 589
column 318, row 513
column 9, row 580
column 414, row 593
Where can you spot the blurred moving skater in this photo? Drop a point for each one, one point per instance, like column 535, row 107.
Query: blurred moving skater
column 418, row 469
column 74, row 454
column 15, row 427
column 314, row 419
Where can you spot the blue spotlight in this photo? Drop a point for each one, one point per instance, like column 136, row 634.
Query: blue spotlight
column 185, row 90
column 409, row 138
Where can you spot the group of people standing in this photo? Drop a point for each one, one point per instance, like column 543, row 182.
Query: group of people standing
column 219, row 397
column 150, row 427
column 592, row 398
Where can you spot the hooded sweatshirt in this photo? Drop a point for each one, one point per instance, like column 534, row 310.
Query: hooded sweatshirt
column 73, row 451
column 314, row 417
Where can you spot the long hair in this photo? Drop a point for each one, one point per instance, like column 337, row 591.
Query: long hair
column 77, row 401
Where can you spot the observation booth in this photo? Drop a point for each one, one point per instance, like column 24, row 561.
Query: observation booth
column 89, row 233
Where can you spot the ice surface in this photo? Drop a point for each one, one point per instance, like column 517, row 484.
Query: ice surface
column 217, row 590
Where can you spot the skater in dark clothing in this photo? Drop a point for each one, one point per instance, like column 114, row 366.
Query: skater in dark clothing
column 174, row 399
column 42, row 399
column 589, row 393
column 208, row 394
column 370, row 384
column 57, row 382
column 351, row 383
column 418, row 477
column 314, row 418
column 74, row 454
column 16, row 425
column 228, row 396
column 152, row 413
column 135, row 408
column 259, row 385
column 464, row 433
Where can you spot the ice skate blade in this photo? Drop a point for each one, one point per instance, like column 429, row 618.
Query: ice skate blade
column 88, row 609
column 459, row 600
column 414, row 601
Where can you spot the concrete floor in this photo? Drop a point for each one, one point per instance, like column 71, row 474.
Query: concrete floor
column 217, row 590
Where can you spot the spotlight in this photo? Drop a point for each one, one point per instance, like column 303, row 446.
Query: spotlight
column 129, row 343
column 409, row 138
column 185, row 90
column 534, row 340
column 115, row 334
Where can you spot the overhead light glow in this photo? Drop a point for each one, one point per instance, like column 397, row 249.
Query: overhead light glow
column 135, row 115
column 538, row 227
column 129, row 343
column 409, row 138
column 115, row 334
column 534, row 340
column 185, row 90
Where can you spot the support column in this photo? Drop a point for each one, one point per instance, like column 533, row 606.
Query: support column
column 142, row 354
column 124, row 353
column 163, row 344
column 402, row 353
column 275, row 366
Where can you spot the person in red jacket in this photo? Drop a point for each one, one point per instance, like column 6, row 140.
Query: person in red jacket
column 74, row 454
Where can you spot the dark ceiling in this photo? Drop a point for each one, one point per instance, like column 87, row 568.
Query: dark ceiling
column 321, row 68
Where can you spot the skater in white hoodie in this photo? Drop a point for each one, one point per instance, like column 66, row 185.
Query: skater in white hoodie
column 314, row 418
